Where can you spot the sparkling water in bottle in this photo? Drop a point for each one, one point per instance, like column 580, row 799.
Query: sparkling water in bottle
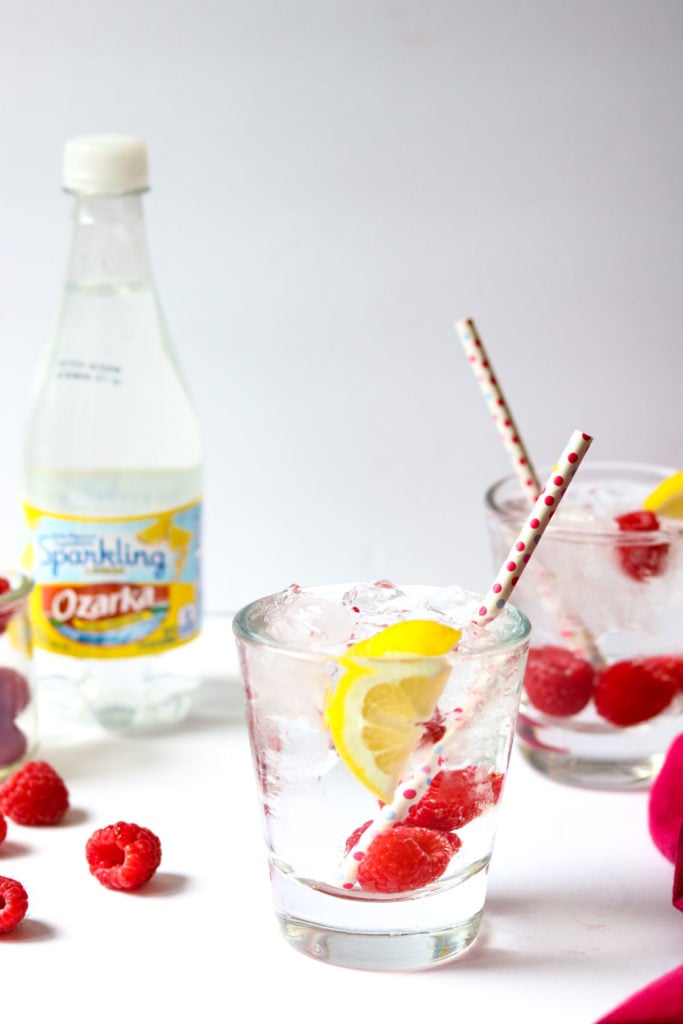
column 113, row 465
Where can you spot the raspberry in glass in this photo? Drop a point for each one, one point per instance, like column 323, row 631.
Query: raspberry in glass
column 14, row 692
column 641, row 561
column 629, row 692
column 5, row 613
column 455, row 798
column 13, row 743
column 403, row 859
column 557, row 681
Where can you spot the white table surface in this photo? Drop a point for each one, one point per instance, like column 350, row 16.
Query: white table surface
column 578, row 915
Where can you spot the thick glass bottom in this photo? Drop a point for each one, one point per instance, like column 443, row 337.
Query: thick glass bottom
column 594, row 773
column 399, row 951
column 594, row 756
column 411, row 931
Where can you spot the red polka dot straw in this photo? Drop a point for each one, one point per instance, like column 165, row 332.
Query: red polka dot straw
column 498, row 408
column 573, row 630
column 410, row 790
column 529, row 536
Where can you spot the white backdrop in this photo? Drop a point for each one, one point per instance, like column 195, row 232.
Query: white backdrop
column 334, row 183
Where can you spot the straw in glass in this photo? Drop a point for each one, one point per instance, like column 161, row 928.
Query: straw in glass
column 573, row 631
column 498, row 408
column 409, row 792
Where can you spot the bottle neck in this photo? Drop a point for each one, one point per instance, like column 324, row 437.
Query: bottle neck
column 109, row 242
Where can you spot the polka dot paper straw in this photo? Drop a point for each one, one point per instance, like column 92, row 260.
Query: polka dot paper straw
column 407, row 794
column 410, row 791
column 498, row 407
column 574, row 632
column 541, row 513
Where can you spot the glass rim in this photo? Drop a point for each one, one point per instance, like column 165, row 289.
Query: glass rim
column 625, row 538
column 245, row 632
column 20, row 587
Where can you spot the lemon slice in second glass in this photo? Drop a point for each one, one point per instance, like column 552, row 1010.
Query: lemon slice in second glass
column 667, row 497
column 374, row 714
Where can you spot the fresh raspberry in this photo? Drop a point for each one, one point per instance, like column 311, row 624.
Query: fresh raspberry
column 13, row 743
column 455, row 797
column 402, row 859
column 3, row 829
column 454, row 841
column 13, row 904
column 557, row 681
column 14, row 692
column 5, row 585
column 666, row 667
column 452, row 837
column 641, row 561
column 629, row 692
column 434, row 729
column 34, row 795
column 355, row 836
column 123, row 856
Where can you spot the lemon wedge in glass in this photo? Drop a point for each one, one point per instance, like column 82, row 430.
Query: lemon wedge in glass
column 667, row 497
column 375, row 712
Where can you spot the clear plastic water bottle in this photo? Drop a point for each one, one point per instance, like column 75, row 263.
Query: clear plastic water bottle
column 113, row 465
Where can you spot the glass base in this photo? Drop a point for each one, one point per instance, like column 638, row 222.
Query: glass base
column 380, row 952
column 593, row 773
column 596, row 756
column 381, row 933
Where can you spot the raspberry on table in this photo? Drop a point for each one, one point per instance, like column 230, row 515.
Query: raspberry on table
column 13, row 904
column 404, row 858
column 34, row 795
column 455, row 798
column 123, row 856
column 629, row 692
column 557, row 681
column 641, row 561
column 3, row 829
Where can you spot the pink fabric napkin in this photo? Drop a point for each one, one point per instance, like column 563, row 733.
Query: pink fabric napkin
column 661, row 1002
column 658, row 1003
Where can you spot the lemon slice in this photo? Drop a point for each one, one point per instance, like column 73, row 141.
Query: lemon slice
column 375, row 711
column 667, row 497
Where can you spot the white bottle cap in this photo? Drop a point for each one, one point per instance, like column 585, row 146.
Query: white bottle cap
column 104, row 165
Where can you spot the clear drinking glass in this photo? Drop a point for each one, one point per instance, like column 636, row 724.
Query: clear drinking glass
column 290, row 646
column 18, row 720
column 603, row 698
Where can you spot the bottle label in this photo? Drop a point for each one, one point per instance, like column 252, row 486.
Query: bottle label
column 114, row 588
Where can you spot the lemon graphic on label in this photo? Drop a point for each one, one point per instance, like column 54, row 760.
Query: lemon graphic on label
column 667, row 497
column 375, row 712
column 165, row 531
